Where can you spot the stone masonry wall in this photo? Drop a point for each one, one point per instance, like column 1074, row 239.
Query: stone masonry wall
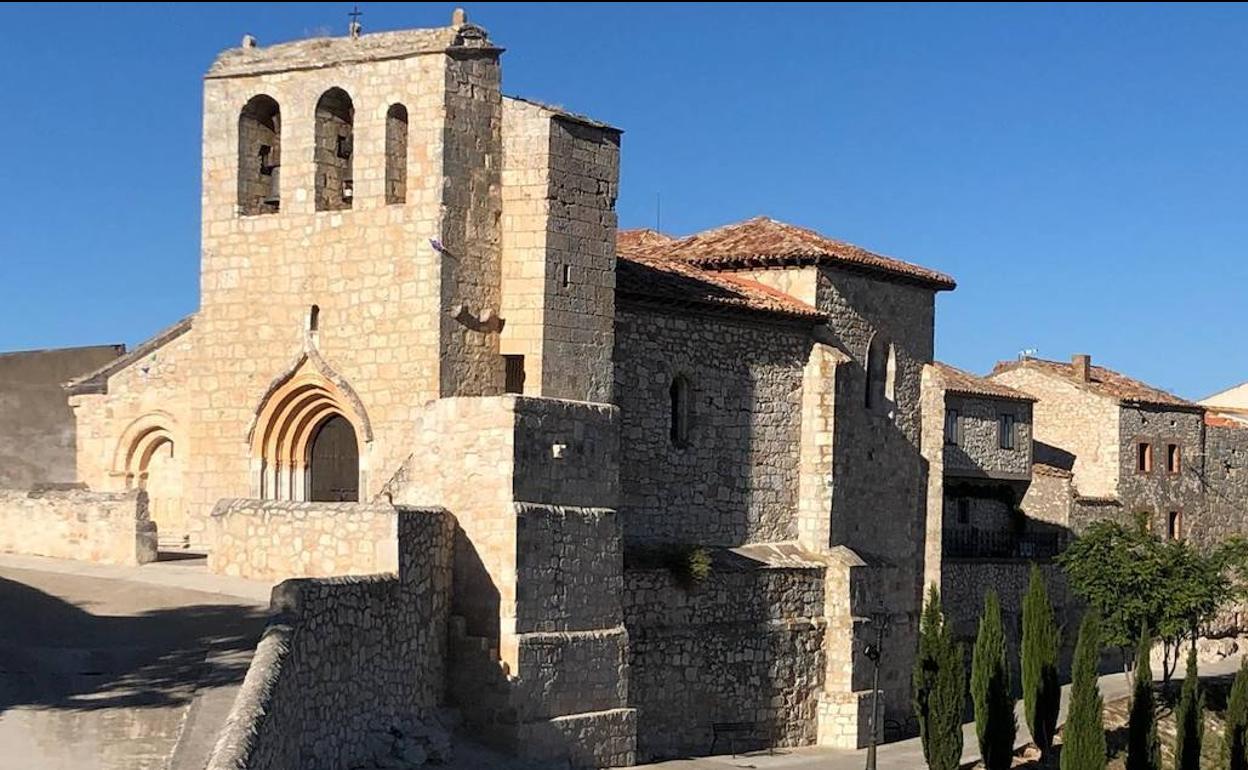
column 737, row 479
column 560, row 182
column 100, row 527
column 1159, row 492
column 377, row 271
column 979, row 451
column 278, row 539
column 1075, row 421
column 1225, row 486
column 37, row 429
column 745, row 645
column 347, row 662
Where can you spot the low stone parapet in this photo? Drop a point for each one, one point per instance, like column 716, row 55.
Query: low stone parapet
column 349, row 670
column 279, row 539
column 76, row 523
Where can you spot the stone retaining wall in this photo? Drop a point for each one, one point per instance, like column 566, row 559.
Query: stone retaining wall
column 347, row 663
column 76, row 523
column 744, row 645
column 279, row 539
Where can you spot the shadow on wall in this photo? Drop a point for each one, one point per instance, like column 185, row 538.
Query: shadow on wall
column 56, row 655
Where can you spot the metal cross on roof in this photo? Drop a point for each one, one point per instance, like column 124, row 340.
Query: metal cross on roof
column 355, row 15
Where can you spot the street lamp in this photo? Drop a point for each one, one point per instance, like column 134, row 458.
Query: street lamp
column 873, row 652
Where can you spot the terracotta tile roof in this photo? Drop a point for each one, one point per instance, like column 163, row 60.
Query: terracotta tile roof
column 764, row 242
column 1219, row 421
column 962, row 382
column 1044, row 469
column 1106, row 382
column 642, row 241
column 671, row 281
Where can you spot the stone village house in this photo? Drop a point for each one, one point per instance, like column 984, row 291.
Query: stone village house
column 423, row 352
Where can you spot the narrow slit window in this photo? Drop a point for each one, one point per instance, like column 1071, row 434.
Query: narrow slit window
column 1174, row 458
column 1174, row 526
column 567, row 276
column 951, row 427
column 1005, row 429
column 396, row 154
column 514, row 374
column 1144, row 457
column 314, row 318
column 679, row 394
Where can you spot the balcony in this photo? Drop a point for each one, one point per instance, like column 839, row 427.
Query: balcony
column 1001, row 544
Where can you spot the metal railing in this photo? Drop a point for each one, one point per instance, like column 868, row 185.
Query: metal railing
column 1000, row 544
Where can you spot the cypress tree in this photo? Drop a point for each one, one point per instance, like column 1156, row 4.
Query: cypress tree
column 939, row 688
column 1041, row 687
column 1143, row 746
column 1083, row 740
column 1189, row 719
column 1235, row 744
column 995, row 726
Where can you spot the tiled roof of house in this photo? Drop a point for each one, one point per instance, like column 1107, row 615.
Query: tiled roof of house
column 97, row 381
column 640, row 241
column 1104, row 381
column 764, row 242
column 671, row 281
column 1044, row 469
column 1221, row 421
column 962, row 382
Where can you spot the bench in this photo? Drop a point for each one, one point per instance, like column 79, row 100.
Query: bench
column 745, row 731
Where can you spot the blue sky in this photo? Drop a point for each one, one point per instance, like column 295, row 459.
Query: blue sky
column 1081, row 170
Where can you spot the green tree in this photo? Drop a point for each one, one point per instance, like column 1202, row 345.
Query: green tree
column 1235, row 743
column 1143, row 746
column 1041, row 641
column 1189, row 718
column 995, row 726
column 939, row 688
column 1083, row 740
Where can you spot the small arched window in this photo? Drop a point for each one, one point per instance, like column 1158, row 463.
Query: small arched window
column 396, row 154
column 680, row 404
column 335, row 143
column 878, row 367
column 259, row 156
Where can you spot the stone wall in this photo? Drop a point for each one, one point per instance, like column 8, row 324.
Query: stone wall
column 1159, row 492
column 1080, row 424
column 74, row 523
column 736, row 479
column 37, row 428
column 1049, row 497
column 1225, row 485
column 744, row 645
column 348, row 664
column 407, row 292
column 978, row 450
column 560, row 182
column 279, row 539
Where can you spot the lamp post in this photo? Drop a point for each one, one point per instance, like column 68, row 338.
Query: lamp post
column 873, row 652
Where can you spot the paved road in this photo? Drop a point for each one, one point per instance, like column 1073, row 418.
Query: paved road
column 107, row 668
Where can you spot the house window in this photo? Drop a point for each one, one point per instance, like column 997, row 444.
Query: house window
column 1174, row 459
column 1005, row 431
column 514, row 377
column 964, row 511
column 952, row 434
column 1174, row 525
column 1143, row 457
column 679, row 394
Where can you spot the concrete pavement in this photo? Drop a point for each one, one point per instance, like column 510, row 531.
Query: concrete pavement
column 104, row 668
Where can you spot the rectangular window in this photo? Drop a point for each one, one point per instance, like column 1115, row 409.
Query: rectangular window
column 1143, row 457
column 1174, row 458
column 964, row 511
column 1174, row 527
column 951, row 427
column 1005, row 431
column 514, row 378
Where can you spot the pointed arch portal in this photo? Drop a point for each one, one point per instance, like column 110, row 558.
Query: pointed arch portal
column 307, row 441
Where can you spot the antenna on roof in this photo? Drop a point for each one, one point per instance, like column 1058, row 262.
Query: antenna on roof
column 1026, row 353
column 658, row 212
column 354, row 28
